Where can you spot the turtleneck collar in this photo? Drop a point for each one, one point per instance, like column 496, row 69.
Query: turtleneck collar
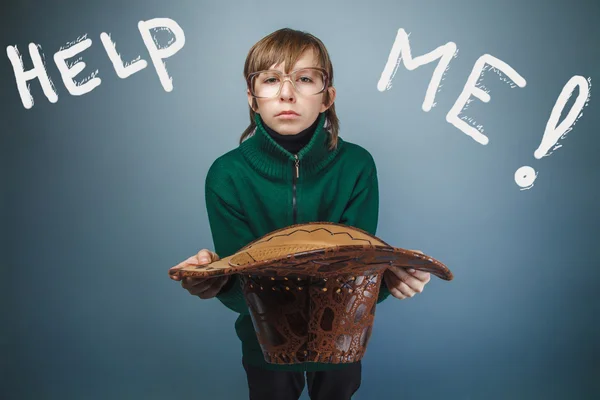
column 270, row 159
column 292, row 143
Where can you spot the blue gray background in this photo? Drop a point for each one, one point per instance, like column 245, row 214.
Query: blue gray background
column 102, row 193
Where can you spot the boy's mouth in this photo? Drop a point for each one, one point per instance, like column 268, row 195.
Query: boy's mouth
column 287, row 113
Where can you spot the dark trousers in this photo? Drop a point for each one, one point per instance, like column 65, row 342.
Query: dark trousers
column 288, row 385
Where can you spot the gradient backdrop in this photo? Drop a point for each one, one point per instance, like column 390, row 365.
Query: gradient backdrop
column 102, row 193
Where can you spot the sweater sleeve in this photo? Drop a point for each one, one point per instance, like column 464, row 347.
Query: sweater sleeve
column 362, row 211
column 230, row 233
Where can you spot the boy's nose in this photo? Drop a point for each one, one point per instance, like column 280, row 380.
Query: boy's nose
column 287, row 90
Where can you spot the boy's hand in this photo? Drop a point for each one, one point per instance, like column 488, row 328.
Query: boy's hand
column 205, row 288
column 405, row 283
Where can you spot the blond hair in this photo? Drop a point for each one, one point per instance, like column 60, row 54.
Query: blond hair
column 287, row 45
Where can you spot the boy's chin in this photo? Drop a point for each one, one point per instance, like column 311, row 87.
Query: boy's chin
column 289, row 127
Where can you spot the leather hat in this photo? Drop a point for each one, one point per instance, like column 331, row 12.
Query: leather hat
column 312, row 288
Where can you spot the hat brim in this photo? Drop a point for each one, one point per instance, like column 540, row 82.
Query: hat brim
column 319, row 250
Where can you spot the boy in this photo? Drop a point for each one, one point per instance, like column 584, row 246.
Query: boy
column 290, row 167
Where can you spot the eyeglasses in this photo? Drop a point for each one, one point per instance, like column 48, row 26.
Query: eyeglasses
column 268, row 83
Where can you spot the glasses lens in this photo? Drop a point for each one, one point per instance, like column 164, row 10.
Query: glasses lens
column 307, row 81
column 266, row 84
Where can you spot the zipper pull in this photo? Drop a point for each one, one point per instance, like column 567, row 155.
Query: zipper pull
column 297, row 166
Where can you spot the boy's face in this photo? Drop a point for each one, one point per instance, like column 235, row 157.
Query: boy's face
column 306, row 107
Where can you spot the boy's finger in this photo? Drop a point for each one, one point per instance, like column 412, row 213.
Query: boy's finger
column 188, row 283
column 401, row 272
column 204, row 256
column 193, row 260
column 207, row 286
column 406, row 290
column 404, row 275
column 393, row 283
column 190, row 261
column 421, row 275
column 199, row 289
column 212, row 290
column 178, row 266
column 173, row 273
column 219, row 282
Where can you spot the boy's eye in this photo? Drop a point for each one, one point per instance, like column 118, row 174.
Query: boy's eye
column 270, row 80
column 305, row 79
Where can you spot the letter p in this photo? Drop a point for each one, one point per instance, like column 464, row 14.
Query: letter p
column 159, row 54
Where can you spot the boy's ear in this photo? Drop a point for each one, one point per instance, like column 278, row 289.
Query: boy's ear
column 251, row 101
column 331, row 92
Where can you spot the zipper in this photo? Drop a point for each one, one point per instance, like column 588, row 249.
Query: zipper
column 296, row 175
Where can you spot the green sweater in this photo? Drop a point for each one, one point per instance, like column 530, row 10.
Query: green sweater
column 259, row 187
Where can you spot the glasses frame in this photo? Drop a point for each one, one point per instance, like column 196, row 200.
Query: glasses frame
column 285, row 77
